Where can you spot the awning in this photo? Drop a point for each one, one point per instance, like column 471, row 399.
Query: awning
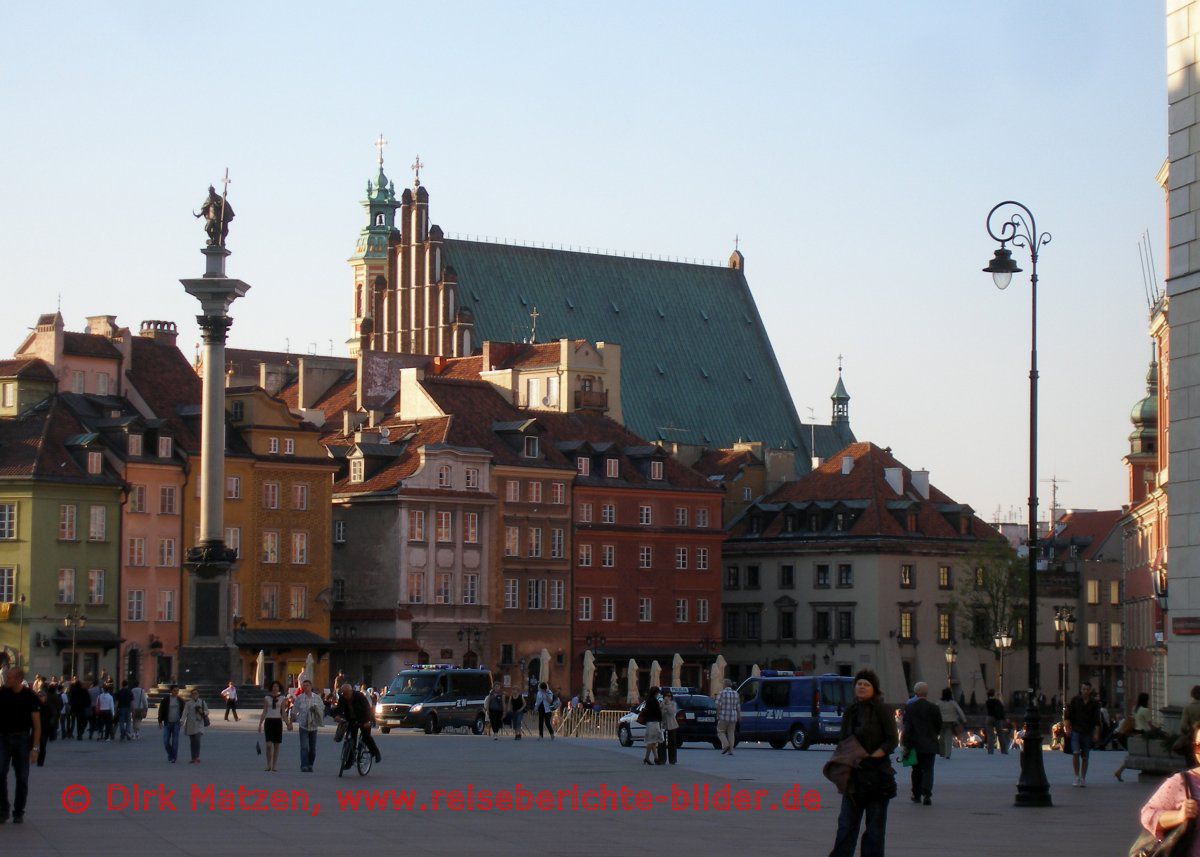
column 89, row 638
column 265, row 638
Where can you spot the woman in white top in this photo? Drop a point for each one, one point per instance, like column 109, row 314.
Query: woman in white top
column 270, row 723
column 952, row 719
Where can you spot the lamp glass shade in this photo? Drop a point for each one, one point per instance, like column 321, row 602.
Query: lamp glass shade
column 1002, row 267
column 1001, row 279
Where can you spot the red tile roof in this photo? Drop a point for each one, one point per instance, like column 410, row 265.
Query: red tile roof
column 462, row 368
column 27, row 368
column 245, row 361
column 162, row 376
column 725, row 462
column 1088, row 529
column 89, row 345
column 384, row 474
column 33, row 446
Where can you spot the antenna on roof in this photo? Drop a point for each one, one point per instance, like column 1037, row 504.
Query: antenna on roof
column 287, row 345
column 812, row 449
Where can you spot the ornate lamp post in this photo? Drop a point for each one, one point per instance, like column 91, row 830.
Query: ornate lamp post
column 1064, row 624
column 75, row 621
column 951, row 657
column 1003, row 641
column 21, row 631
column 595, row 641
column 1016, row 225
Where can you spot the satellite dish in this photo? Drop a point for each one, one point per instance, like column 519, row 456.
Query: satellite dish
column 545, row 401
column 383, row 434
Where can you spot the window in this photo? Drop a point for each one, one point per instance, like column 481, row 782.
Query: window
column 681, row 558
column 787, row 624
column 164, row 447
column 166, row 553
column 733, row 625
column 753, row 626
column 944, row 579
column 97, row 523
column 8, row 585
column 1093, row 634
column 238, row 411
column 645, row 613
column 585, row 556
column 535, row 594
column 557, row 595
column 702, row 610
column 96, row 586
column 470, row 589
column 10, row 395
column 135, row 551
column 752, row 577
column 556, row 543
column 441, row 594
column 943, row 625
column 702, row 559
column 612, row 468
column 645, row 556
column 166, row 605
column 979, row 578
column 273, row 445
column 233, row 540
column 585, row 513
column 510, row 593
column 1093, row 591
column 681, row 516
column 535, row 542
column 531, row 447
column 471, row 528
column 908, row 629
column 66, row 522
column 289, row 446
column 608, row 610
column 1019, row 630
column 552, row 392
column 585, row 608
column 135, row 610
column 443, row 476
column 416, row 587
column 533, row 395
column 845, row 625
column 608, row 514
column 702, row 517
column 787, row 577
column 233, row 487
column 512, row 541
column 445, row 527
column 907, row 581
column 134, row 445
column 270, row 601
column 534, row 492
column 299, row 548
column 821, row 578
column 8, row 521
column 471, row 478
column 681, row 609
column 845, row 575
column 358, row 470
column 300, row 496
column 95, row 463
column 746, row 494
column 416, row 525
column 270, row 495
column 102, row 383
column 512, row 491
column 656, row 470
column 1114, row 634
column 270, row 546
column 583, row 466
column 66, row 586
column 339, row 532
column 732, row 577
column 1114, row 592
column 77, row 382
column 645, row 515
column 608, row 556
column 167, row 500
column 558, row 493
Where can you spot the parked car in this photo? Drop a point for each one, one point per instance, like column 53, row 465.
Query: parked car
column 697, row 720
column 434, row 696
column 784, row 708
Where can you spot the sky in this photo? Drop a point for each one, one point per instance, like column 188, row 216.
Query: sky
column 855, row 149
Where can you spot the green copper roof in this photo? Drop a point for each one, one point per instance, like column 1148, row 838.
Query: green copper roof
column 696, row 364
column 839, row 392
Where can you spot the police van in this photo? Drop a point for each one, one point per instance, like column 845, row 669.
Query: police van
column 782, row 707
column 433, row 697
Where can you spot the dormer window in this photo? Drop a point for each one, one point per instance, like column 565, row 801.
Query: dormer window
column 656, row 470
column 789, row 523
column 814, row 523
column 273, row 446
column 910, row 522
column 444, row 476
column 531, row 447
column 357, row 469
column 10, row 395
column 583, row 465
column 612, row 468
column 135, row 445
column 289, row 446
column 746, row 494
column 238, row 411
column 95, row 463
column 754, row 525
column 164, row 447
column 964, row 525
column 839, row 521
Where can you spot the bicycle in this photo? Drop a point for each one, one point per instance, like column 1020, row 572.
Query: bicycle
column 354, row 753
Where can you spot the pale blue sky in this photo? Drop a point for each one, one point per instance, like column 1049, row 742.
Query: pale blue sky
column 856, row 148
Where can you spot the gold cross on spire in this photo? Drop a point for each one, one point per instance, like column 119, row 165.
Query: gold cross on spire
column 416, row 168
column 839, row 364
column 379, row 144
column 534, row 316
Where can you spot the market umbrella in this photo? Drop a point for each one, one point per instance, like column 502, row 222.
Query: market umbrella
column 589, row 675
column 676, row 670
column 613, row 687
column 309, row 663
column 631, row 692
column 755, row 671
column 545, row 674
column 655, row 673
column 717, row 677
column 259, row 669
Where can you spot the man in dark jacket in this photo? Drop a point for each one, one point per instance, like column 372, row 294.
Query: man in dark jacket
column 1082, row 722
column 354, row 708
column 922, row 728
column 996, row 726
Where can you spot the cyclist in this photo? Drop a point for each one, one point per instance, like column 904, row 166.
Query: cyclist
column 354, row 709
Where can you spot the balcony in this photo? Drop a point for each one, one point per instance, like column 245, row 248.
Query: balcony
column 593, row 400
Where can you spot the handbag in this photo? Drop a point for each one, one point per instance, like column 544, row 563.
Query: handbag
column 1176, row 841
column 909, row 758
column 641, row 718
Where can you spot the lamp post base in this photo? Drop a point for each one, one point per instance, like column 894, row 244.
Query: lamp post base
column 1033, row 789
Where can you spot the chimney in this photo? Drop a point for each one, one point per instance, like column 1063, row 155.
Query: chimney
column 351, row 420
column 817, row 461
column 439, row 365
column 847, row 464
column 162, row 332
column 920, row 481
column 895, row 478
column 102, row 325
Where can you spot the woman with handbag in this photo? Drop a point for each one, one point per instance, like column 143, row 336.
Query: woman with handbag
column 195, row 719
column 1169, row 817
column 953, row 720
column 872, row 781
column 651, row 715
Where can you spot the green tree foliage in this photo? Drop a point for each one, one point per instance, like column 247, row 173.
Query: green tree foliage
column 991, row 594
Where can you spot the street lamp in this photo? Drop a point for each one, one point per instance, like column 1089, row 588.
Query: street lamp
column 596, row 641
column 1017, row 226
column 951, row 657
column 1064, row 623
column 1003, row 641
column 75, row 621
column 21, row 630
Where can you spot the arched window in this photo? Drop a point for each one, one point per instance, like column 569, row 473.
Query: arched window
column 379, row 220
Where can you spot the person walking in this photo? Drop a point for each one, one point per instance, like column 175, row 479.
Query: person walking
column 922, row 729
column 670, row 711
column 140, row 706
column 170, row 717
column 195, row 719
column 106, row 707
column 872, row 782
column 544, row 704
column 47, row 730
column 953, row 719
column 125, row 711
column 66, row 723
column 270, row 723
column 230, row 695
column 996, row 724
column 651, row 717
column 307, row 713
column 1082, row 723
column 81, row 703
column 495, row 705
column 729, row 712
column 93, row 690
column 20, row 736
column 518, row 706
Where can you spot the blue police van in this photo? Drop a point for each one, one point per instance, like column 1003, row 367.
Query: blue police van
column 782, row 708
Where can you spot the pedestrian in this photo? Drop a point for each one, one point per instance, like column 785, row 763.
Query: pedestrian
column 44, row 713
column 195, row 719
column 51, row 712
column 545, row 704
column 651, row 717
column 307, row 714
column 230, row 694
column 66, row 723
column 355, row 710
column 670, row 711
column 922, row 730
column 20, row 736
column 125, row 711
column 1141, row 725
column 518, row 706
column 1175, row 803
column 953, row 720
column 140, row 706
column 1082, row 724
column 729, row 712
column 106, row 707
column 1190, row 717
column 93, row 712
column 270, row 723
column 996, row 724
column 495, row 705
column 872, row 781
column 170, row 718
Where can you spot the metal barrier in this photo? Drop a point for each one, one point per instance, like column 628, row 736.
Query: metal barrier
column 583, row 723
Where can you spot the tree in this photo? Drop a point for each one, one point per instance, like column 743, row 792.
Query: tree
column 992, row 594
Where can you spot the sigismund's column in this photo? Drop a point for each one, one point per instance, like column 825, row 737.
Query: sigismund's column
column 208, row 655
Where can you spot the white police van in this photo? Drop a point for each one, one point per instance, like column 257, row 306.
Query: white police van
column 433, row 697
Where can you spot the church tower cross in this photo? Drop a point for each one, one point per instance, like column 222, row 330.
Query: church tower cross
column 379, row 144
column 534, row 316
column 416, row 168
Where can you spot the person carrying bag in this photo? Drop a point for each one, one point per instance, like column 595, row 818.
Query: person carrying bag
column 1169, row 817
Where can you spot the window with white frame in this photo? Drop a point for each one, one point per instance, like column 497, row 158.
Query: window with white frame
column 77, row 382
column 300, row 548
column 8, row 585
column 681, row 609
column 470, row 589
column 273, row 446
column 233, row 487
column 134, row 445
column 681, row 558
column 608, row 556
column 681, row 516
column 608, row 609
column 289, row 446
column 533, row 395
column 585, row 608
column 471, row 478
column 95, row 463
column 656, row 470
column 164, row 447
column 552, row 392
column 233, row 540
column 585, row 556
column 137, row 498
column 270, row 495
column 300, row 496
column 269, row 608
column 135, row 610
column 66, row 522
column 585, row 513
column 339, row 532
column 583, row 466
column 511, row 593
column 531, row 447
column 512, row 541
column 442, row 591
column 135, row 551
column 416, row 525
column 270, row 546
column 556, row 543
column 96, row 586
column 9, row 395
column 166, row 605
column 645, row 515
column 416, row 587
column 608, row 514
column 701, row 610
column 612, row 468
column 534, row 492
column 645, row 556
column 97, row 523
column 644, row 610
column 471, row 528
column 535, row 542
column 66, row 586
column 358, row 470
column 166, row 553
column 8, row 521
column 102, row 383
column 443, row 476
column 512, row 491
column 557, row 595
column 535, row 594
column 167, row 500
column 445, row 527
column 702, row 559
column 702, row 517
column 558, row 493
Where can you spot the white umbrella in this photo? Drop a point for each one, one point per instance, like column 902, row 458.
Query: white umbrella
column 631, row 692
column 613, row 687
column 589, row 675
column 545, row 674
column 259, row 669
column 308, row 670
column 755, row 671
column 717, row 677
column 676, row 670
column 655, row 673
